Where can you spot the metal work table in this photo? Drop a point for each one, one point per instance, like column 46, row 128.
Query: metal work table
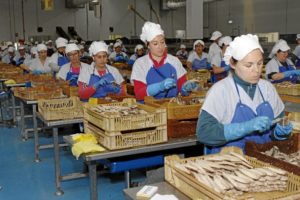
column 91, row 159
column 54, row 125
column 163, row 188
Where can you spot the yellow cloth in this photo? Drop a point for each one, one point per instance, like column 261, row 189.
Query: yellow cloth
column 93, row 101
column 85, row 143
column 10, row 81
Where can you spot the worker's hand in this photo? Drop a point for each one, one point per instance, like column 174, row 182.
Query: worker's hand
column 37, row 72
column 282, row 132
column 103, row 81
column 238, row 130
column 114, row 88
column 156, row 88
column 187, row 87
column 291, row 73
column 73, row 80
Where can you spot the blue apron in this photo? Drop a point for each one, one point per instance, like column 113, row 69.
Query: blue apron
column 297, row 63
column 61, row 60
column 292, row 79
column 244, row 113
column 102, row 91
column 217, row 77
column 199, row 64
column 69, row 76
column 120, row 58
column 20, row 61
column 156, row 75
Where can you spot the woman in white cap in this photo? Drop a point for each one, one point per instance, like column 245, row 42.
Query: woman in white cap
column 50, row 48
column 70, row 71
column 214, row 48
column 296, row 52
column 118, row 56
column 198, row 58
column 138, row 52
column 220, row 68
column 9, row 57
column 99, row 79
column 182, row 53
column 280, row 67
column 59, row 58
column 242, row 106
column 40, row 65
column 158, row 74
column 21, row 56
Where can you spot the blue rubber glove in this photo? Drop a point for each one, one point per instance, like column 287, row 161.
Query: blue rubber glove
column 291, row 73
column 37, row 72
column 103, row 81
column 156, row 88
column 73, row 79
column 238, row 130
column 227, row 68
column 114, row 88
column 187, row 87
column 208, row 66
column 282, row 132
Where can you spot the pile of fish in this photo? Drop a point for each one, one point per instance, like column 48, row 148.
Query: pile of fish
column 182, row 101
column 118, row 111
column 232, row 175
column 293, row 158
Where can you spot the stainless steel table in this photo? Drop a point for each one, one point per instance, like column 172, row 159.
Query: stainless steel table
column 91, row 159
column 54, row 125
column 163, row 188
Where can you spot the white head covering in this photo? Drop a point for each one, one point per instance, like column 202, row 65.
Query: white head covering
column 9, row 43
column 182, row 46
column 71, row 47
column 241, row 46
column 119, row 41
column 36, row 42
column 117, row 44
column 138, row 47
column 11, row 49
column 3, row 47
column 279, row 45
column 41, row 47
column 197, row 42
column 149, row 31
column 215, row 35
column 298, row 36
column 225, row 40
column 21, row 47
column 98, row 47
column 33, row 50
column 61, row 42
column 82, row 42
column 80, row 46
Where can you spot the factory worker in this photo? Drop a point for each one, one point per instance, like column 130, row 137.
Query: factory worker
column 296, row 52
column 83, row 53
column 50, row 48
column 280, row 67
column 214, row 47
column 158, row 74
column 182, row 53
column 9, row 57
column 100, row 78
column 123, row 48
column 59, row 58
column 70, row 71
column 198, row 58
column 220, row 68
column 118, row 56
column 241, row 107
column 33, row 55
column 40, row 64
column 21, row 56
column 138, row 52
column 3, row 52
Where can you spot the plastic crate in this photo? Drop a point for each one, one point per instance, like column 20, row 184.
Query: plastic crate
column 188, row 185
column 174, row 110
column 289, row 146
column 127, row 139
column 56, row 109
column 181, row 128
column 154, row 117
column 39, row 92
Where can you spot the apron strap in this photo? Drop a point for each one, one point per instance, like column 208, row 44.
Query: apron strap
column 237, row 90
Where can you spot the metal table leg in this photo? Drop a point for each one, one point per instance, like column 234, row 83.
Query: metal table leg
column 36, row 135
column 93, row 180
column 59, row 191
column 23, row 134
column 127, row 179
column 14, row 108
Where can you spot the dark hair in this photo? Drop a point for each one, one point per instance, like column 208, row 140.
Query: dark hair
column 234, row 60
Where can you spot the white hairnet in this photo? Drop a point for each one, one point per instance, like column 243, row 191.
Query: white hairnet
column 71, row 47
column 117, row 44
column 97, row 47
column 3, row 47
column 9, row 43
column 197, row 42
column 182, row 46
column 21, row 47
column 11, row 49
column 61, row 42
column 41, row 47
column 80, row 46
column 119, row 41
column 241, row 46
column 279, row 45
column 298, row 36
column 138, row 47
column 225, row 40
column 149, row 31
column 215, row 35
column 33, row 50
